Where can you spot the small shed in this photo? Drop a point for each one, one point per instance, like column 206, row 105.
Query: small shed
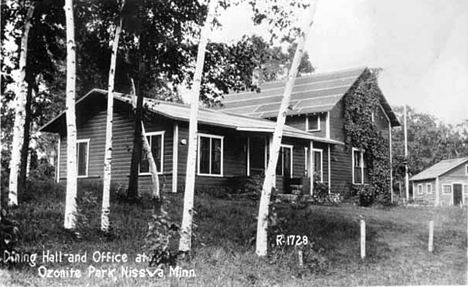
column 443, row 184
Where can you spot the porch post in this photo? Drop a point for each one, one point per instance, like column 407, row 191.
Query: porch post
column 437, row 199
column 329, row 171
column 248, row 155
column 175, row 156
column 312, row 167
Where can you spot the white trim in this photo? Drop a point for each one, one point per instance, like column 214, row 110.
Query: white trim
column 437, row 201
column 175, row 156
column 453, row 192
column 361, row 164
column 329, row 171
column 311, row 167
column 466, row 169
column 57, row 175
column 420, row 189
column 327, row 126
column 306, row 164
column 150, row 134
column 290, row 160
column 428, row 189
column 321, row 158
column 385, row 114
column 270, row 145
column 248, row 156
column 211, row 136
column 444, row 185
column 308, row 124
column 78, row 157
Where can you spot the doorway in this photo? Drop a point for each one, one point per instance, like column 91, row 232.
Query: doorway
column 457, row 194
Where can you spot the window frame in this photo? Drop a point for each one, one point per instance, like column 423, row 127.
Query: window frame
column 291, row 161
column 78, row 142
column 210, row 136
column 428, row 188
column 321, row 157
column 361, row 165
column 466, row 169
column 446, row 185
column 150, row 134
column 420, row 189
column 308, row 129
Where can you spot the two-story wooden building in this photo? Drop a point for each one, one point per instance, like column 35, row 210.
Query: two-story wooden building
column 233, row 142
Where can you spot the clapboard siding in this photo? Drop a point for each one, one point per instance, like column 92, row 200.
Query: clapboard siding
column 337, row 122
column 341, row 169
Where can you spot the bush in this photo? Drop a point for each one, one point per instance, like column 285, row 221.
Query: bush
column 362, row 195
column 9, row 235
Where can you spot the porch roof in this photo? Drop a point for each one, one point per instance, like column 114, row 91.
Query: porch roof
column 439, row 169
column 181, row 112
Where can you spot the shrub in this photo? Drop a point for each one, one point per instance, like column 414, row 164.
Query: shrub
column 9, row 234
column 362, row 194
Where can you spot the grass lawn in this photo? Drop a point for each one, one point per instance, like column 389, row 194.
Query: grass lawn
column 223, row 250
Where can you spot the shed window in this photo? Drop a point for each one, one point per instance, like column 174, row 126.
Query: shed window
column 360, row 169
column 447, row 188
column 285, row 161
column 420, row 189
column 155, row 140
column 313, row 123
column 428, row 188
column 82, row 152
column 210, row 155
column 465, row 188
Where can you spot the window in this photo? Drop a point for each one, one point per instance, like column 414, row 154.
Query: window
column 313, row 123
column 82, row 151
column 155, row 140
column 210, row 155
column 360, row 169
column 318, row 164
column 447, row 188
column 284, row 164
column 420, row 189
column 428, row 188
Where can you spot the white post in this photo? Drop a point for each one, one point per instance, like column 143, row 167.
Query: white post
column 175, row 156
column 363, row 239
column 406, row 155
column 431, row 236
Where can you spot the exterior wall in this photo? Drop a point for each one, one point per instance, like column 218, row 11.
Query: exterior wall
column 299, row 122
column 426, row 195
column 455, row 176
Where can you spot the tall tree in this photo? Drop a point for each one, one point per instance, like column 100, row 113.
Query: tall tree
column 263, row 211
column 187, row 216
column 109, row 120
column 18, row 131
column 70, row 201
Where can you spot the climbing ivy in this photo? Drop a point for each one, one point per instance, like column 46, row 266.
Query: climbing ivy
column 362, row 133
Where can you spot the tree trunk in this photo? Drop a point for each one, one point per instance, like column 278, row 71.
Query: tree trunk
column 263, row 211
column 70, row 201
column 18, row 129
column 186, row 234
column 108, row 152
column 26, row 140
column 152, row 164
column 136, row 152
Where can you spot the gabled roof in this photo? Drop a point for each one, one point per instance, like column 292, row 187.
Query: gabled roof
column 181, row 112
column 311, row 94
column 439, row 168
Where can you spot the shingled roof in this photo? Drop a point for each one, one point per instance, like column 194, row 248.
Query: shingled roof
column 210, row 117
column 439, row 169
column 311, row 94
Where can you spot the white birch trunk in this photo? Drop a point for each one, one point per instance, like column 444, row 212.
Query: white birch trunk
column 262, row 224
column 186, row 228
column 108, row 152
column 152, row 164
column 70, row 201
column 20, row 103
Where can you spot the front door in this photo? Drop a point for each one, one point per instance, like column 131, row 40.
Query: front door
column 457, row 194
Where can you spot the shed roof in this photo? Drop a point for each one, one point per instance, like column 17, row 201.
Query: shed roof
column 439, row 168
column 210, row 117
column 311, row 94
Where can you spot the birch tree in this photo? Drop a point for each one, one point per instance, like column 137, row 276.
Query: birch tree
column 155, row 192
column 70, row 201
column 187, row 217
column 263, row 211
column 20, row 103
column 110, row 110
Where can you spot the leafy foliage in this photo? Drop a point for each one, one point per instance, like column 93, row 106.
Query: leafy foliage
column 362, row 133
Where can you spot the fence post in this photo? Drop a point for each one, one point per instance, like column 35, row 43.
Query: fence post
column 363, row 239
column 431, row 236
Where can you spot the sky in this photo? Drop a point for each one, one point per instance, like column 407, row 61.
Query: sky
column 422, row 46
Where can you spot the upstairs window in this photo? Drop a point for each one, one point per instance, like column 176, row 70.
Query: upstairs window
column 360, row 169
column 155, row 141
column 82, row 152
column 313, row 123
column 210, row 155
column 284, row 164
